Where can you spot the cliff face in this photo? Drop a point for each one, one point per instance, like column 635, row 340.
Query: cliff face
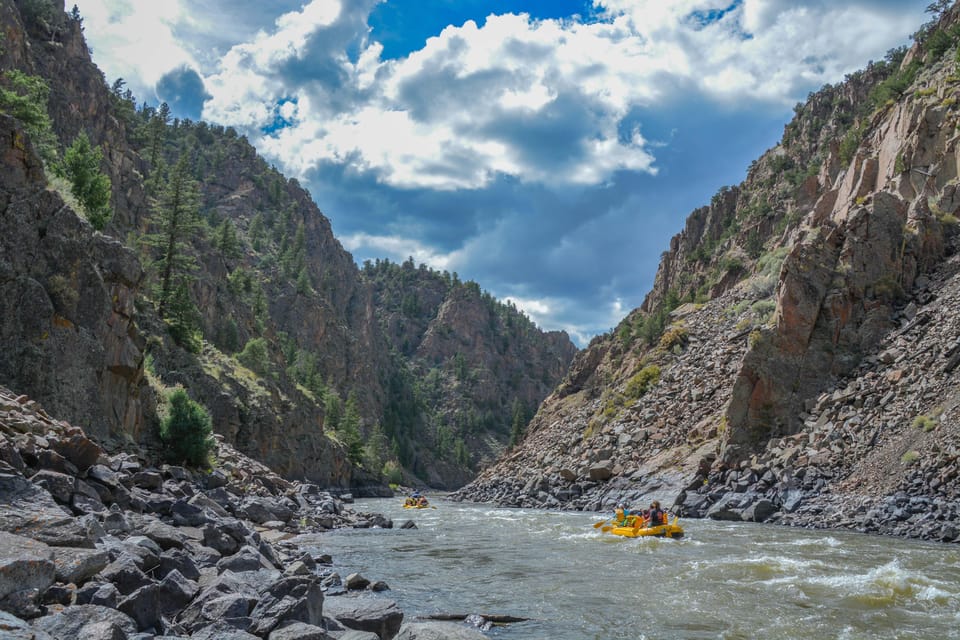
column 478, row 367
column 745, row 383
column 66, row 302
column 290, row 338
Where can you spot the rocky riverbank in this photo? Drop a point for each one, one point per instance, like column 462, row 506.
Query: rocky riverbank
column 107, row 547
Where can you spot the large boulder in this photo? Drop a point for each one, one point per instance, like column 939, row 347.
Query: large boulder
column 82, row 622
column 28, row 510
column 380, row 616
column 24, row 564
column 78, row 565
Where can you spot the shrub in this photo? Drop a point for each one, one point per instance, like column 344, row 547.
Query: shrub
column 81, row 166
column 924, row 422
column 910, row 457
column 641, row 382
column 674, row 336
column 763, row 309
column 392, row 472
column 186, row 431
column 255, row 356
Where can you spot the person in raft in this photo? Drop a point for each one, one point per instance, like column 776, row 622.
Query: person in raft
column 620, row 516
column 654, row 515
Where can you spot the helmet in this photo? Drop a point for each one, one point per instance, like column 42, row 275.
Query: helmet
column 620, row 505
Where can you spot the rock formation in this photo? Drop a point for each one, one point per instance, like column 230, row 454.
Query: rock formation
column 795, row 359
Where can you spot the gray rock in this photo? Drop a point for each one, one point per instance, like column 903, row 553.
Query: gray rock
column 78, row 565
column 291, row 598
column 166, row 536
column 143, row 605
column 24, row 564
column 125, row 574
column 601, row 471
column 31, row 511
column 13, row 628
column 377, row 615
column 356, row 581
column 105, row 594
column 180, row 561
column 191, row 514
column 222, row 631
column 72, row 622
column 299, row 631
column 246, row 559
column 438, row 631
column 60, row 485
column 759, row 511
column 176, row 592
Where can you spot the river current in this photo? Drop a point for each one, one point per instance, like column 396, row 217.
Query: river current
column 722, row 580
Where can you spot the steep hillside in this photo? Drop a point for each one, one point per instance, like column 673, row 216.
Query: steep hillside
column 743, row 387
column 478, row 368
column 222, row 277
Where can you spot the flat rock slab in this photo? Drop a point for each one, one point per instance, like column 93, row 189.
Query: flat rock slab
column 13, row 628
column 377, row 615
column 438, row 631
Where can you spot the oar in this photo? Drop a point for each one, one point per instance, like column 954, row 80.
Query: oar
column 606, row 528
column 599, row 524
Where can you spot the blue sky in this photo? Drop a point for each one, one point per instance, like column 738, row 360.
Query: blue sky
column 548, row 150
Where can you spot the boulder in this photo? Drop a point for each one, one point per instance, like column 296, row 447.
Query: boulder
column 601, row 471
column 246, row 559
column 78, row 565
column 78, row 622
column 376, row 615
column 299, row 631
column 82, row 452
column 297, row 598
column 28, row 510
column 143, row 605
column 24, row 564
column 13, row 628
column 176, row 592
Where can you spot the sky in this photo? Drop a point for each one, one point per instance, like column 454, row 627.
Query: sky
column 547, row 149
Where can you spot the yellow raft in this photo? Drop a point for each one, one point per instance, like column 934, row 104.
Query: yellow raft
column 416, row 506
column 666, row 530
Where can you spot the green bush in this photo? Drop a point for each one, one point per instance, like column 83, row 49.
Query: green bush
column 255, row 356
column 81, row 166
column 924, row 422
column 186, row 431
column 640, row 383
column 910, row 457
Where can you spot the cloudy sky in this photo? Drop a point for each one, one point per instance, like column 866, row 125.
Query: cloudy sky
column 547, row 149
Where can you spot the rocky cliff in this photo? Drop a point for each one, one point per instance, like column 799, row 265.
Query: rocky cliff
column 795, row 358
column 284, row 337
column 477, row 368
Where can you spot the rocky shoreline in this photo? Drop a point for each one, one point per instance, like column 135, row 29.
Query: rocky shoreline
column 105, row 547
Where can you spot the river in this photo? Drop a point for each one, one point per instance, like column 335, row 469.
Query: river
column 723, row 580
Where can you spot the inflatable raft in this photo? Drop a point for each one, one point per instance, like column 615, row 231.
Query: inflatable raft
column 416, row 506
column 666, row 530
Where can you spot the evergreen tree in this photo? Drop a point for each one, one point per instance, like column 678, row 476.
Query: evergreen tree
column 158, row 132
column 187, row 431
column 349, row 430
column 332, row 409
column 183, row 317
column 176, row 213
column 520, row 420
column 255, row 232
column 227, row 240
column 24, row 97
column 89, row 185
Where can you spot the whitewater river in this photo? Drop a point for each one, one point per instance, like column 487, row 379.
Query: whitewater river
column 721, row 581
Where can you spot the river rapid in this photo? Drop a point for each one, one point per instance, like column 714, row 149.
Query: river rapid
column 722, row 580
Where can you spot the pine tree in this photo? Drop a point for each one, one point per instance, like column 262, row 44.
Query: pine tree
column 176, row 216
column 89, row 185
column 158, row 132
column 187, row 431
column 183, row 317
column 349, row 430
column 25, row 98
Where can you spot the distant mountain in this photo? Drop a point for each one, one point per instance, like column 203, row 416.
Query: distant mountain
column 253, row 306
column 795, row 360
column 478, row 367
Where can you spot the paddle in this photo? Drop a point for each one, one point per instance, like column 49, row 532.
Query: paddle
column 599, row 524
column 606, row 528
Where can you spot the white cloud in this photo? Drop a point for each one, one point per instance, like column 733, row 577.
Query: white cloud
column 135, row 40
column 399, row 249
